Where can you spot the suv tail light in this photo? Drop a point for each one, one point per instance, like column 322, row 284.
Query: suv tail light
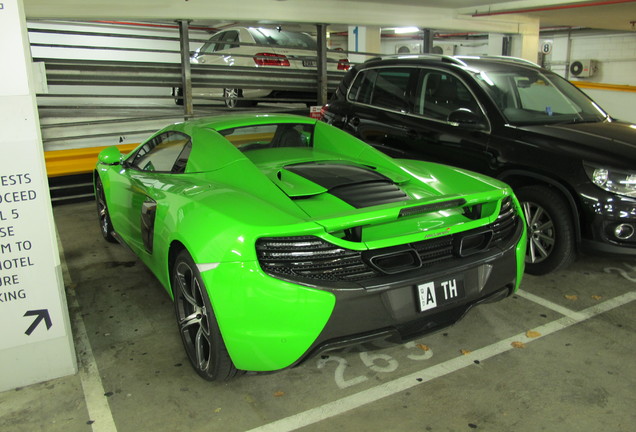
column 344, row 65
column 321, row 114
column 270, row 59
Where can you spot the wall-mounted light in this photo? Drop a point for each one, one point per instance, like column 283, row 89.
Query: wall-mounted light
column 404, row 30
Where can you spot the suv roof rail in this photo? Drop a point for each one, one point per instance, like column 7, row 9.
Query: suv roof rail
column 440, row 57
column 504, row 58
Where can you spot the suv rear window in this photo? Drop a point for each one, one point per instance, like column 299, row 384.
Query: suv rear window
column 386, row 87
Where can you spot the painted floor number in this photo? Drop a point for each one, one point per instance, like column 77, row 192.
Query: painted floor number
column 376, row 362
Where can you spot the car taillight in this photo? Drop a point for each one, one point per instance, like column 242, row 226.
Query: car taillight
column 344, row 65
column 304, row 258
column 270, row 59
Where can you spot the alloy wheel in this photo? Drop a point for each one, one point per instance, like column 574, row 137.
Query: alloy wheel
column 102, row 211
column 192, row 316
column 105, row 225
column 541, row 232
column 231, row 97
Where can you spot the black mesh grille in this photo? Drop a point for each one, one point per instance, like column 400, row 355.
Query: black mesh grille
column 435, row 250
column 311, row 258
column 506, row 224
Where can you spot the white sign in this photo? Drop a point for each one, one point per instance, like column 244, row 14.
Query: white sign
column 29, row 305
column 546, row 47
column 32, row 301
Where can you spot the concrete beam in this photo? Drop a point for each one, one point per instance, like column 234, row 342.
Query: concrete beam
column 343, row 12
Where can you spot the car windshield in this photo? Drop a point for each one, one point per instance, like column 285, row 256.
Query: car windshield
column 283, row 38
column 529, row 97
column 267, row 136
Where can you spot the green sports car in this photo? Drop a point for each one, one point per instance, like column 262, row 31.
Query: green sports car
column 280, row 237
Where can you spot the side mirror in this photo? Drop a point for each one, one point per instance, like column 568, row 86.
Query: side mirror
column 464, row 117
column 110, row 156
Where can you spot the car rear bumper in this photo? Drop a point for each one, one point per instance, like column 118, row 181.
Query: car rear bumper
column 394, row 312
column 269, row 323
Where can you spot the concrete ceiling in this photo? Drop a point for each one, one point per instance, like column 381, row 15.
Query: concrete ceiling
column 474, row 15
column 610, row 14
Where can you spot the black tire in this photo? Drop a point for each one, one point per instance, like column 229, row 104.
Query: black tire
column 197, row 323
column 234, row 99
column 177, row 92
column 551, row 243
column 105, row 225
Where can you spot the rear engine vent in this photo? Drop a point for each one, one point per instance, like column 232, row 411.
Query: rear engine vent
column 369, row 194
column 356, row 185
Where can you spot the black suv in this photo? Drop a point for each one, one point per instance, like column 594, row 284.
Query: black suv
column 570, row 164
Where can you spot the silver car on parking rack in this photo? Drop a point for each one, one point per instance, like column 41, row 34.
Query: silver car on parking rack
column 260, row 47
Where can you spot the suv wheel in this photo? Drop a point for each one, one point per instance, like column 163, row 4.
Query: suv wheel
column 550, row 229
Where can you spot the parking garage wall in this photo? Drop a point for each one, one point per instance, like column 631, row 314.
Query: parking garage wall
column 110, row 83
column 156, row 43
column 615, row 56
column 614, row 53
column 71, row 109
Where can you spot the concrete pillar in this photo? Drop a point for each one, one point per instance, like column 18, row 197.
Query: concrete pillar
column 364, row 40
column 495, row 44
column 321, row 31
column 35, row 336
column 526, row 42
column 427, row 41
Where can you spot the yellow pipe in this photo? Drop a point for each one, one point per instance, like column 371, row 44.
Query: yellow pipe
column 601, row 86
column 76, row 161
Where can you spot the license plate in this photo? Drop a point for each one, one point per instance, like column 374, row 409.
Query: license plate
column 310, row 63
column 439, row 292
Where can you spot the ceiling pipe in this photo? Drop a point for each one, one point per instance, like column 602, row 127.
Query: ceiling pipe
column 152, row 25
column 553, row 8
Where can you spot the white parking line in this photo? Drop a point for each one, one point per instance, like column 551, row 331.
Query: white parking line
column 373, row 394
column 96, row 403
column 550, row 305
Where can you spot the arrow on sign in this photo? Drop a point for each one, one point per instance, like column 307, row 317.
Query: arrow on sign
column 40, row 314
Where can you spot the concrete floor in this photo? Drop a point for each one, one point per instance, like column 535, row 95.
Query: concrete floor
column 573, row 372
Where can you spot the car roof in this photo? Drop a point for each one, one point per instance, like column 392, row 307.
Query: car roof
column 249, row 28
column 458, row 61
